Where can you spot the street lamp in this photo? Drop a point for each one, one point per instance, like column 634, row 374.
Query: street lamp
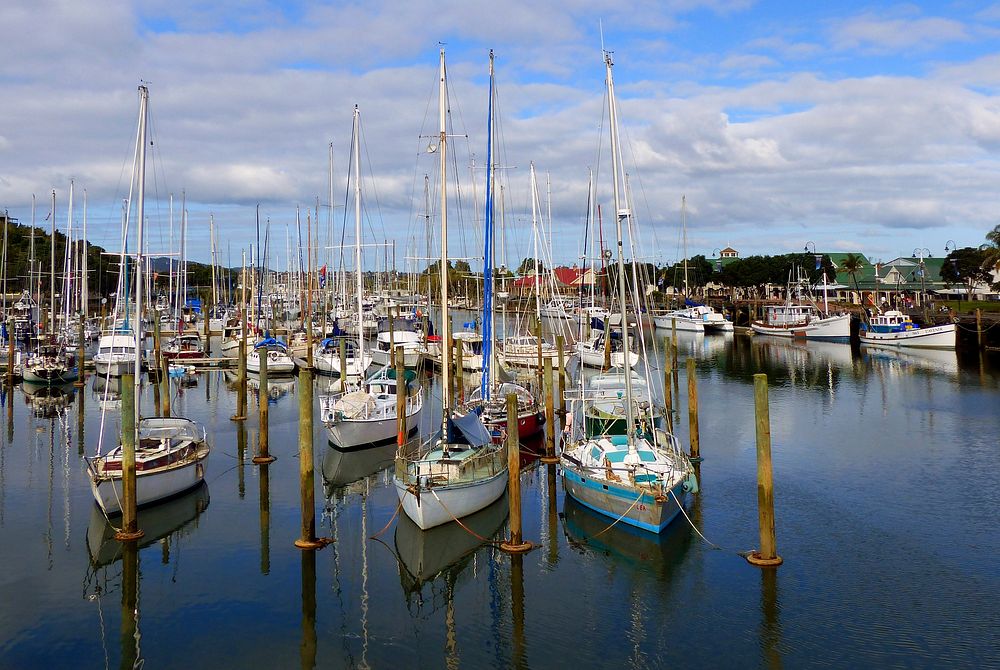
column 950, row 246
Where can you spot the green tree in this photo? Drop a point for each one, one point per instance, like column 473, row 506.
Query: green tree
column 967, row 266
column 853, row 265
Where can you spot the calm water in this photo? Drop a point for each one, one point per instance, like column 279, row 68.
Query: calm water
column 887, row 470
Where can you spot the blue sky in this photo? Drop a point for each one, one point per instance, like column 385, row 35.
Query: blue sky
column 858, row 126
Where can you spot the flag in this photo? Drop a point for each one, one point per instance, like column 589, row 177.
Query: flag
column 322, row 276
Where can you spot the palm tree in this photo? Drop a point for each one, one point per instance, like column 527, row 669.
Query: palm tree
column 852, row 265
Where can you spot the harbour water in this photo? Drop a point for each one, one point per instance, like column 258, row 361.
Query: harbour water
column 887, row 490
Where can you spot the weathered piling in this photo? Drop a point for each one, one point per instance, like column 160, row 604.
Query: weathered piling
column 562, row 375
column 263, row 453
column 342, row 351
column 307, row 477
column 515, row 543
column 164, row 384
column 607, row 345
column 550, row 433
column 695, row 438
column 241, row 373
column 208, row 327
column 130, row 525
column 80, row 357
column 538, row 349
column 80, row 422
column 402, row 394
column 668, row 397
column 767, row 555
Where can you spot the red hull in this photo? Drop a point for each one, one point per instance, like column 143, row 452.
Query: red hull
column 529, row 424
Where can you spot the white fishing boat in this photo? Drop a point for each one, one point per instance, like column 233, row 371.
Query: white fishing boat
column 802, row 321
column 893, row 328
column 279, row 362
column 368, row 417
column 641, row 477
column 460, row 470
column 169, row 459
column 115, row 354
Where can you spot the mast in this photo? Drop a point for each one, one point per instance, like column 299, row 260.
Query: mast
column 52, row 270
column 66, row 296
column 359, row 288
column 623, row 214
column 534, row 241
column 684, row 229
column 428, row 237
column 211, row 234
column 143, row 103
column 85, row 277
column 445, row 318
column 488, row 341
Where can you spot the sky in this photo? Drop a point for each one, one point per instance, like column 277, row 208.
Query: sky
column 852, row 126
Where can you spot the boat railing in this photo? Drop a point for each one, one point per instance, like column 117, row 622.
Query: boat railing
column 429, row 472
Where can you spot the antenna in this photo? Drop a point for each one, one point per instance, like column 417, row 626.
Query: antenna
column 600, row 27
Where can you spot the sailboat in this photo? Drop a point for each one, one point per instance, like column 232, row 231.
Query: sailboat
column 641, row 477
column 51, row 364
column 368, row 416
column 490, row 399
column 170, row 452
column 694, row 317
column 460, row 470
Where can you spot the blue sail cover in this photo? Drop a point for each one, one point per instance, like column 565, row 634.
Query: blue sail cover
column 692, row 303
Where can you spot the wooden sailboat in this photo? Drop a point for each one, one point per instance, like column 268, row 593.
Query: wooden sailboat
column 641, row 477
column 170, row 452
column 460, row 470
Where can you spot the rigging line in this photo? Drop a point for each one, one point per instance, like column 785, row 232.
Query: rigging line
column 713, row 545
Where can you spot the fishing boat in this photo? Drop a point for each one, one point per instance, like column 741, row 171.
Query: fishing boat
column 893, row 328
column 168, row 452
column 115, row 354
column 279, row 362
column 801, row 317
column 460, row 470
column 639, row 478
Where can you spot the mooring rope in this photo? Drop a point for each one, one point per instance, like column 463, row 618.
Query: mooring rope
column 624, row 514
column 399, row 506
column 462, row 525
column 713, row 545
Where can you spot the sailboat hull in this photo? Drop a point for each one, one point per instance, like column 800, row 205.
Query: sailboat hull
column 348, row 435
column 621, row 501
column 442, row 504
column 150, row 486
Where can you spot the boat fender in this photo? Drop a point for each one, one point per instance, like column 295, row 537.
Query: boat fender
column 691, row 483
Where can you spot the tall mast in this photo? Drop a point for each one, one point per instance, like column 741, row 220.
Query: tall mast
column 52, row 269
column 428, row 236
column 534, row 240
column 623, row 214
column 211, row 234
column 84, row 276
column 143, row 103
column 684, row 230
column 359, row 288
column 445, row 318
column 488, row 341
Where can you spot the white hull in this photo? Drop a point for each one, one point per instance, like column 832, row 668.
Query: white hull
column 683, row 324
column 449, row 502
column 348, row 434
column 231, row 348
column 113, row 367
column 282, row 365
column 530, row 360
column 830, row 328
column 935, row 337
column 149, row 487
column 330, row 364
column 593, row 358
column 412, row 358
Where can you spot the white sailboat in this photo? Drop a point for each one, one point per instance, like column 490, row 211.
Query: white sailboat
column 641, row 477
column 170, row 452
column 369, row 416
column 460, row 470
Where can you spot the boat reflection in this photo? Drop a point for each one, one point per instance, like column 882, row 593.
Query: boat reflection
column 649, row 553
column 343, row 468
column 424, row 555
column 165, row 521
column 895, row 360
column 47, row 401
column 108, row 391
column 277, row 388
column 798, row 364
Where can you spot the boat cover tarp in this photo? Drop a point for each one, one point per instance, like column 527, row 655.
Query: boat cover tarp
column 468, row 429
